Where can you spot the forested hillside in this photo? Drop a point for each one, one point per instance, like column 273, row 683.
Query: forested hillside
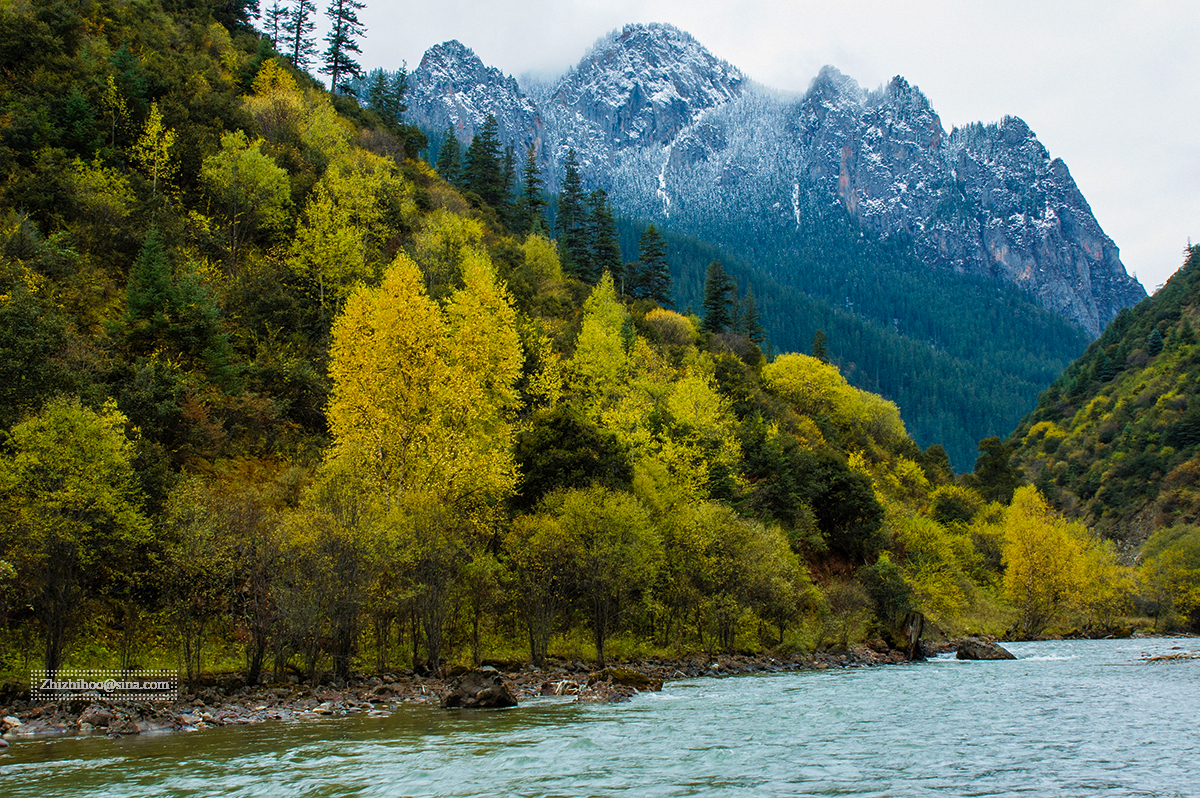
column 278, row 397
column 1114, row 439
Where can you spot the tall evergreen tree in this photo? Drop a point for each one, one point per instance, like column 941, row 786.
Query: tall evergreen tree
column 343, row 36
column 720, row 293
column 483, row 171
column 150, row 291
column 449, row 162
column 572, row 223
column 235, row 15
column 819, row 350
column 508, row 205
column 275, row 20
column 299, row 25
column 385, row 95
column 602, row 232
column 747, row 321
column 653, row 279
column 529, row 218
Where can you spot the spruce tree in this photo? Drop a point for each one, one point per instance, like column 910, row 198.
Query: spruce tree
column 449, row 162
column 653, row 280
column 299, row 25
column 720, row 292
column 747, row 322
column 529, row 218
column 150, row 290
column 385, row 95
column 1154, row 344
column 819, row 350
column 507, row 205
column 275, row 21
column 602, row 232
column 571, row 220
column 342, row 39
column 483, row 171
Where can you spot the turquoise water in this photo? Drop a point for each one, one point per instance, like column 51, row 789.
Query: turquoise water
column 1067, row 718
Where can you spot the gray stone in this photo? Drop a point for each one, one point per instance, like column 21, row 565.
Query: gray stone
column 479, row 689
column 975, row 648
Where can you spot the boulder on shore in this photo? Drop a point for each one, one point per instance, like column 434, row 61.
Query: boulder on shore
column 974, row 648
column 479, row 689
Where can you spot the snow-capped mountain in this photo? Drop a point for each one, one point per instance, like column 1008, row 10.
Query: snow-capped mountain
column 453, row 88
column 681, row 138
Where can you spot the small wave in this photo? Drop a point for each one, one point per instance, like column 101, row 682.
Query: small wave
column 1049, row 658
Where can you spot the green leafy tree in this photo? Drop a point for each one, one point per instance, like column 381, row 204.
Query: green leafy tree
column 617, row 552
column 562, row 449
column 342, row 40
column 72, row 511
column 248, row 189
column 995, row 477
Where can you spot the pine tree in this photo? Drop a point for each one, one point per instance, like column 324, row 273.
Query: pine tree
column 1154, row 344
column 602, row 230
column 508, row 206
column 572, row 223
column 299, row 25
column 531, row 202
column 449, row 162
column 342, row 38
column 747, row 322
column 720, row 292
column 385, row 95
column 653, row 280
column 275, row 21
column 819, row 350
column 483, row 171
column 150, row 292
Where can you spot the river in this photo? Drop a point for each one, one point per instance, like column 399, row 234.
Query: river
column 1068, row 718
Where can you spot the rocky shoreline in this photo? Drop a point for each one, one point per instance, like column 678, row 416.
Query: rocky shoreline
column 233, row 704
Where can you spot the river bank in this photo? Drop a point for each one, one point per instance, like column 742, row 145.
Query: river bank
column 228, row 703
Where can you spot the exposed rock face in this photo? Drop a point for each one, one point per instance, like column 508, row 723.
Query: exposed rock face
column 974, row 648
column 985, row 199
column 682, row 138
column 453, row 88
column 480, row 689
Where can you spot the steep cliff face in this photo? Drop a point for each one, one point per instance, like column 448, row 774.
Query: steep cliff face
column 453, row 88
column 985, row 199
column 678, row 136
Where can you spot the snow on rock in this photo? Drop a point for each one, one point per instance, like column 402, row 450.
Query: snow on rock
column 673, row 132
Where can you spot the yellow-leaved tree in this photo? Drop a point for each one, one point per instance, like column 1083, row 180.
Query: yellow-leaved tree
column 1042, row 558
column 423, row 395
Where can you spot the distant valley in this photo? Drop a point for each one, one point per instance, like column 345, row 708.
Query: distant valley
column 955, row 272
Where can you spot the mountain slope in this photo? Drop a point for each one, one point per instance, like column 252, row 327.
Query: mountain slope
column 857, row 199
column 1115, row 438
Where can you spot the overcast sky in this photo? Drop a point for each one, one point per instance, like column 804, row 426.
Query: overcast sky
column 1112, row 88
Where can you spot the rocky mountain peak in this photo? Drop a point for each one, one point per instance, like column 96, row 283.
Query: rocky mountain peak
column 644, row 84
column 453, row 88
